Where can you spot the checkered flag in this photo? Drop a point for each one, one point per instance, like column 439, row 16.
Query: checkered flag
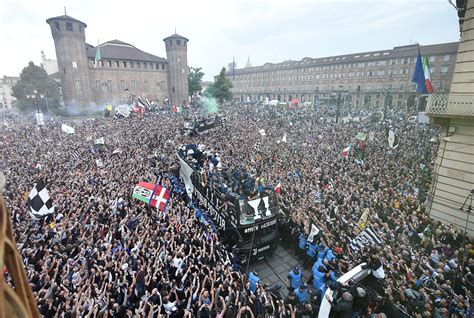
column 39, row 201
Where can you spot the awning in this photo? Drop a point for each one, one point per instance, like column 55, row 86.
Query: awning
column 295, row 101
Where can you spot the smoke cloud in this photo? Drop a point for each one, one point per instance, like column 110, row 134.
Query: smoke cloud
column 210, row 104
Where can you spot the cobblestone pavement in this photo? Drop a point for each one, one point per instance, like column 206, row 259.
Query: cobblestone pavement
column 274, row 270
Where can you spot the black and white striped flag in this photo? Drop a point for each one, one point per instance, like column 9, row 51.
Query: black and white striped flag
column 366, row 238
column 75, row 154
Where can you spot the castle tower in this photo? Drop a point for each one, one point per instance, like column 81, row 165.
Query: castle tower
column 70, row 43
column 177, row 55
column 453, row 180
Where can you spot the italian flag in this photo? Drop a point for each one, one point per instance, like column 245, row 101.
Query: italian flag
column 278, row 188
column 177, row 109
column 152, row 194
column 202, row 178
column 345, row 151
column 426, row 71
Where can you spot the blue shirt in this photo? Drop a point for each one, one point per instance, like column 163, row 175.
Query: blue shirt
column 302, row 295
column 302, row 243
column 254, row 280
column 295, row 279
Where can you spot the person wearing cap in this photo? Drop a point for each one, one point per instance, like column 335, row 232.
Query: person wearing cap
column 254, row 280
column 302, row 293
column 302, row 243
column 295, row 277
column 322, row 250
column 310, row 252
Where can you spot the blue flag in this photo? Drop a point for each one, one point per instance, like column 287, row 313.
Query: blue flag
column 419, row 76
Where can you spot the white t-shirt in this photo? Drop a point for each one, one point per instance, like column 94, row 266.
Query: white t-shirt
column 169, row 307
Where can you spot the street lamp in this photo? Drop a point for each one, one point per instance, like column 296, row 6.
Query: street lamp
column 34, row 97
column 338, row 103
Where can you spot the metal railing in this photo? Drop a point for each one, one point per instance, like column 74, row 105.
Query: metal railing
column 452, row 105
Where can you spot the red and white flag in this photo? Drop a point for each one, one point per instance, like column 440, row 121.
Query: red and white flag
column 278, row 188
column 345, row 151
column 143, row 191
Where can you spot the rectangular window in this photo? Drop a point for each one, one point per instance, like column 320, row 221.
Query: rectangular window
column 145, row 65
column 381, row 73
column 101, row 63
column 361, row 65
column 132, row 65
column 97, row 85
column 109, row 85
column 444, row 70
column 124, row 64
column 78, row 85
column 369, row 87
column 404, row 72
column 56, row 26
column 432, row 70
column 145, row 85
column 74, row 64
column 371, row 63
column 382, row 63
column 122, row 85
column 69, row 26
column 446, row 57
column 109, row 63
column 162, row 66
column 134, row 85
column 139, row 65
column 178, row 42
column 402, row 86
column 370, row 73
column 432, row 59
column 117, row 64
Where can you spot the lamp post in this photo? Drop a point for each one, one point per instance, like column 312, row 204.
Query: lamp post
column 338, row 103
column 34, row 98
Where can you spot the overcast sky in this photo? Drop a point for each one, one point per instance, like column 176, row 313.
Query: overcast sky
column 264, row 30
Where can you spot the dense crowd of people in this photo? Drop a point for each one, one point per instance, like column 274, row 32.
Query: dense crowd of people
column 104, row 254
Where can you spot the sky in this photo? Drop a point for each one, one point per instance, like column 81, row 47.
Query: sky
column 218, row 30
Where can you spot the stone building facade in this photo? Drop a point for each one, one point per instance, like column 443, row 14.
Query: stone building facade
column 452, row 190
column 6, row 97
column 122, row 72
column 367, row 79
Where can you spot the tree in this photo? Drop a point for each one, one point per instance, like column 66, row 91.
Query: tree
column 221, row 89
column 195, row 76
column 34, row 78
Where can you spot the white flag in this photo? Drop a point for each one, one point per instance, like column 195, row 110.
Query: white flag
column 100, row 141
column 67, row 129
column 314, row 231
column 262, row 132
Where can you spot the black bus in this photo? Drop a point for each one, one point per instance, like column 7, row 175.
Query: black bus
column 203, row 126
column 248, row 224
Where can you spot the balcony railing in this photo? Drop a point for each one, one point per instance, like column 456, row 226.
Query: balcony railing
column 444, row 105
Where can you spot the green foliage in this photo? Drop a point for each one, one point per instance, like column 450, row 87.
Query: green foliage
column 221, row 89
column 33, row 78
column 195, row 76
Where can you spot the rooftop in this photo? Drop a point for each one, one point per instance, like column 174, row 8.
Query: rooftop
column 175, row 36
column 67, row 18
column 119, row 50
column 396, row 52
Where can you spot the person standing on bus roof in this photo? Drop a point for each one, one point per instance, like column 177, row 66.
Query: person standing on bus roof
column 295, row 277
column 254, row 280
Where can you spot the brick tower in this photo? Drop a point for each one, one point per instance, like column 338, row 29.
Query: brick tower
column 69, row 41
column 177, row 55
